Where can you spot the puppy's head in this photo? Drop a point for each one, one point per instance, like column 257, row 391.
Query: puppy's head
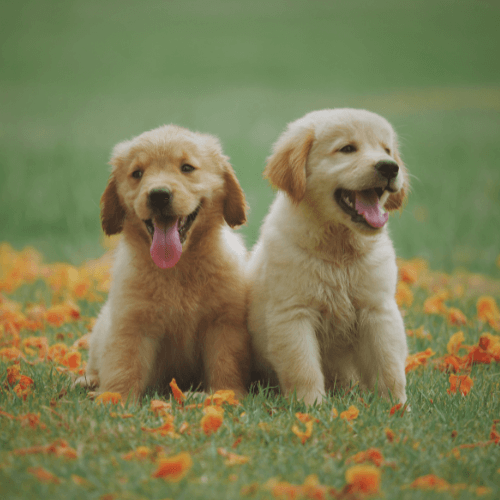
column 163, row 183
column 345, row 164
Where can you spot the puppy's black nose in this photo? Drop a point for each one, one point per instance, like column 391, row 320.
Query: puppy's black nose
column 160, row 198
column 387, row 169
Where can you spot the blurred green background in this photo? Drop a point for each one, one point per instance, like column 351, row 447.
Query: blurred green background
column 77, row 77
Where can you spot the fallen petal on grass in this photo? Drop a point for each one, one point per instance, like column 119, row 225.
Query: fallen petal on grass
column 174, row 468
column 363, row 479
column 109, row 398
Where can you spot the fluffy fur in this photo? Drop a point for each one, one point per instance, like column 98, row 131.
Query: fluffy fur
column 187, row 321
column 321, row 306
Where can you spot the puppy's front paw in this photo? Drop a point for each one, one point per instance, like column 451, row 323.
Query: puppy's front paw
column 87, row 381
column 310, row 397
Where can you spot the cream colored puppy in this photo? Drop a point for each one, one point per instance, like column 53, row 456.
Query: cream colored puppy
column 323, row 273
column 177, row 304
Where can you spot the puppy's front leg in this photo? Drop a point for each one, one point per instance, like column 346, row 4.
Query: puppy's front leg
column 293, row 352
column 382, row 350
column 226, row 357
column 128, row 356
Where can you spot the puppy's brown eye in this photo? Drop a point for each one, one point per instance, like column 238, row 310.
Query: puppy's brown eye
column 187, row 168
column 137, row 174
column 350, row 148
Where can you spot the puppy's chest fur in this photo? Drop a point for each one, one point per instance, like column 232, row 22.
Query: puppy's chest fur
column 336, row 299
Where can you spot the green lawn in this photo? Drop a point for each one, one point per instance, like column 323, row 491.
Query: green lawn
column 446, row 435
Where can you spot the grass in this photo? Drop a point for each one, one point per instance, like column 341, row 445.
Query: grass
column 446, row 435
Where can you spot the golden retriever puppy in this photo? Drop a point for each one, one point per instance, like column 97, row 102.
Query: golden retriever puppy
column 176, row 307
column 323, row 272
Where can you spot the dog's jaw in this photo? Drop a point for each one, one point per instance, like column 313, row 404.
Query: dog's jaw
column 365, row 208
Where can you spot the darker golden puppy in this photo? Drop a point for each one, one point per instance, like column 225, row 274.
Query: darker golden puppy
column 176, row 307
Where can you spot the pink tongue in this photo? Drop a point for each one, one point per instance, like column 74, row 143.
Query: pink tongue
column 367, row 204
column 166, row 248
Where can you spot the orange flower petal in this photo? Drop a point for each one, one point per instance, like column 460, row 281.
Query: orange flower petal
column 11, row 353
column 212, row 420
column 390, row 435
column 232, row 458
column 373, row 455
column 463, row 383
column 174, row 468
column 435, row 303
column 176, row 392
column 43, row 475
column 109, row 397
column 488, row 311
column 72, row 360
column 363, row 479
column 455, row 342
column 404, row 295
column 159, row 407
column 303, row 435
column 430, row 482
column 420, row 358
column 13, row 374
column 221, row 397
column 456, row 316
column 350, row 414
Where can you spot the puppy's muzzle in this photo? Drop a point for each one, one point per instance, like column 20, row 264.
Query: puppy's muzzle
column 387, row 169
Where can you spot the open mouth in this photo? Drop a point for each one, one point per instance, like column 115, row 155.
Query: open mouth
column 365, row 207
column 168, row 235
column 183, row 224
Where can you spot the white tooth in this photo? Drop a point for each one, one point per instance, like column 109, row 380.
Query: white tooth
column 384, row 197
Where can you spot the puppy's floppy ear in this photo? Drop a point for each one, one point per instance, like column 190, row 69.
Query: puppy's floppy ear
column 112, row 211
column 235, row 205
column 286, row 167
column 397, row 200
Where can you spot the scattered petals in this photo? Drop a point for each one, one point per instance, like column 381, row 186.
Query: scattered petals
column 232, row 458
column 462, row 383
column 390, row 435
column 404, row 295
column 350, row 414
column 43, row 475
column 303, row 435
column 166, row 429
column 174, row 468
column 456, row 316
column 488, row 311
column 420, row 358
column 160, row 408
column 109, row 398
column 221, row 397
column 140, row 453
column 212, row 419
column 419, row 333
column 364, row 479
column 176, row 392
column 373, row 455
column 435, row 303
column 430, row 482
column 455, row 342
